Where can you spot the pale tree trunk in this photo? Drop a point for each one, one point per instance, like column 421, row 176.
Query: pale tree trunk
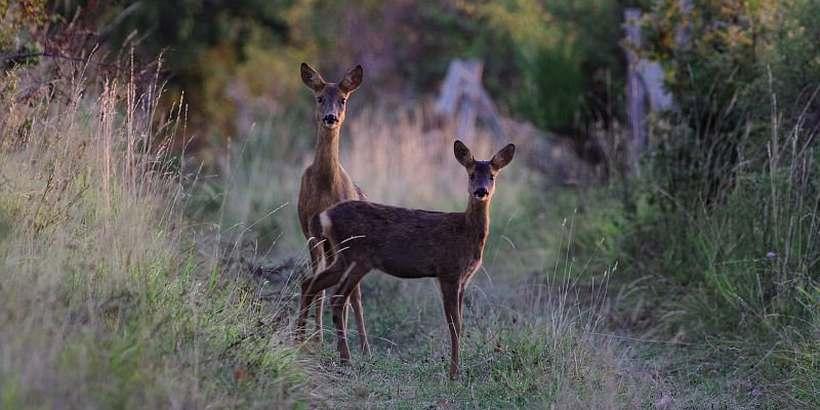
column 645, row 91
column 463, row 100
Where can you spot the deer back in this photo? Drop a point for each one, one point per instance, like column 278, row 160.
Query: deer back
column 407, row 243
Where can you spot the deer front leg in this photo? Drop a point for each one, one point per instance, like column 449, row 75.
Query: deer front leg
column 358, row 310
column 450, row 298
column 461, row 289
column 339, row 302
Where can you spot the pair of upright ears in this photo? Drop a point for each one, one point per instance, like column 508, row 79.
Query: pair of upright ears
column 349, row 83
column 498, row 161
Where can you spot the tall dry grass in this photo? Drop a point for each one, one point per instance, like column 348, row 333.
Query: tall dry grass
column 104, row 301
column 83, row 209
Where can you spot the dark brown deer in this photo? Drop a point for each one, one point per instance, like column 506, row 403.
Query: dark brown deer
column 408, row 243
column 325, row 182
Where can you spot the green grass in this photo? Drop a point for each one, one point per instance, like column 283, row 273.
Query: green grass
column 733, row 276
column 518, row 352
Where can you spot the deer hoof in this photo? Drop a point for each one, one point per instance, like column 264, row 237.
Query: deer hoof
column 366, row 349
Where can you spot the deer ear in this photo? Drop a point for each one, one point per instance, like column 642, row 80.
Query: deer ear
column 503, row 157
column 312, row 78
column 352, row 79
column 463, row 154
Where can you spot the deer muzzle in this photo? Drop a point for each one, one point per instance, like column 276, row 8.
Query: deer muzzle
column 330, row 120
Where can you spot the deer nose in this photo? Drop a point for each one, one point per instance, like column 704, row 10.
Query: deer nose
column 481, row 193
column 330, row 119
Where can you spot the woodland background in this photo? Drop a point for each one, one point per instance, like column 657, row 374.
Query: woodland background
column 150, row 153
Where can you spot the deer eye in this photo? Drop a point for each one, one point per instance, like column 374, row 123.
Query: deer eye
column 342, row 100
column 320, row 100
column 492, row 177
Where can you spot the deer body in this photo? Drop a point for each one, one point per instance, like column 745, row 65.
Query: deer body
column 408, row 243
column 325, row 182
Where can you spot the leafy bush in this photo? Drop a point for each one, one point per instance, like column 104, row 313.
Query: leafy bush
column 732, row 185
column 736, row 69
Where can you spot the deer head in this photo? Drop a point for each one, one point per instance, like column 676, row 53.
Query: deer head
column 482, row 174
column 331, row 98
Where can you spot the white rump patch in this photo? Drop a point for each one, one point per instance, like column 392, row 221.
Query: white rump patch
column 324, row 221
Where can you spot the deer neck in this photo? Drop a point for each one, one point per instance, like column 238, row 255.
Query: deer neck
column 327, row 150
column 478, row 219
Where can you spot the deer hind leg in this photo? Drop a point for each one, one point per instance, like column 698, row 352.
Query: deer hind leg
column 312, row 288
column 450, row 298
column 320, row 261
column 324, row 257
column 319, row 305
column 313, row 268
column 355, row 301
column 339, row 301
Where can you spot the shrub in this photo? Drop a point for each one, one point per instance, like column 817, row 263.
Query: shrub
column 732, row 186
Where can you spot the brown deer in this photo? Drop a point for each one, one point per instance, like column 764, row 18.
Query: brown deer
column 408, row 243
column 325, row 183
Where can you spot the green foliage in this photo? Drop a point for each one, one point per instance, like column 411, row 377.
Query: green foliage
column 727, row 162
column 19, row 21
column 563, row 51
column 553, row 90
column 514, row 353
column 731, row 189
column 221, row 53
column 738, row 56
column 554, row 63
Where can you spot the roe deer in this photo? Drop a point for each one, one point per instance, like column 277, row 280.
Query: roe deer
column 408, row 243
column 325, row 183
